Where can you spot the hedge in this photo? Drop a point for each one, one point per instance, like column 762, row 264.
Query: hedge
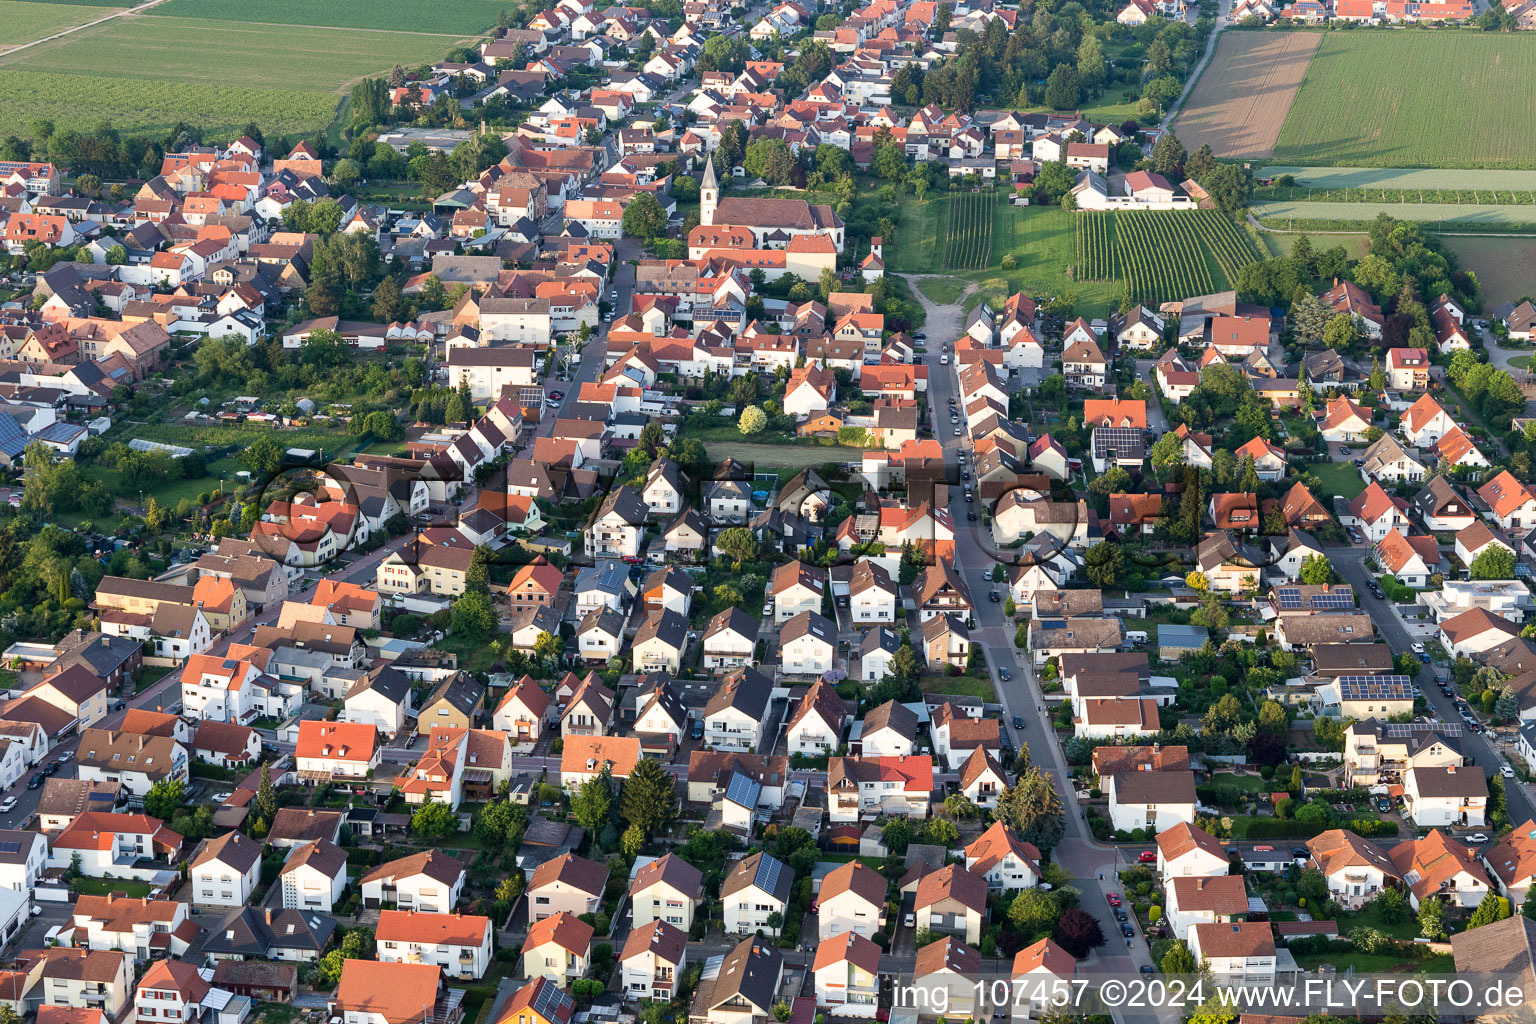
column 1289, row 828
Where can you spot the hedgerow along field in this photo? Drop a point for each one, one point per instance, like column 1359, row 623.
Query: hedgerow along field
column 1241, row 100
column 457, row 18
column 968, row 230
column 1414, row 99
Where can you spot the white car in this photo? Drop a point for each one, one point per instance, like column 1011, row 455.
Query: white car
column 7, row 805
column 1418, row 648
column 66, row 757
column 220, row 798
column 1478, row 838
column 957, row 431
column 944, row 360
column 1506, row 771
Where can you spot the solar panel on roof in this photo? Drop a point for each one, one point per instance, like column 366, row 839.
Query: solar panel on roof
column 550, row 1001
column 1375, row 687
column 768, row 871
column 743, row 790
column 10, row 846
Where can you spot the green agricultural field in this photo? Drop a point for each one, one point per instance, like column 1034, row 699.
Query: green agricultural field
column 81, row 102
column 1449, row 216
column 22, row 22
column 199, row 52
column 968, row 230
column 1413, row 99
column 1426, row 178
column 1278, row 243
column 456, row 18
column 1502, row 265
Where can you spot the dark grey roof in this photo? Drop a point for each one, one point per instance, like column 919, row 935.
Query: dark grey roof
column 389, row 682
column 768, row 874
column 745, row 689
column 751, row 971
column 733, row 618
column 626, row 503
column 891, row 715
column 663, row 694
column 669, row 627
column 460, row 690
column 254, row 931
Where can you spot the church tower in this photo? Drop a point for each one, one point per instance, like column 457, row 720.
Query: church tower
column 709, row 194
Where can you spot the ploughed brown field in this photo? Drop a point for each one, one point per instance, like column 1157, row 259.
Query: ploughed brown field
column 1242, row 98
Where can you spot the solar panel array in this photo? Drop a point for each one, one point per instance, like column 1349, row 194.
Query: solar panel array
column 551, row 1002
column 10, row 846
column 1291, row 599
column 1375, row 688
column 1399, row 730
column 768, row 871
column 1118, row 439
column 743, row 790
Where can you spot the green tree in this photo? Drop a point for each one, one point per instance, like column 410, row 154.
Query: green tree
column 593, row 801
column 738, row 544
column 644, row 217
column 262, row 456
column 473, row 616
column 1378, row 378
column 1179, row 959
column 388, row 304
column 1341, row 335
column 1063, row 90
column 1103, row 563
column 1033, row 911
column 164, row 797
column 1432, row 919
column 1528, row 908
column 1494, row 562
column 266, row 795
column 649, row 796
column 1168, row 451
column 772, row 160
column 632, row 841
column 1493, row 908
column 1168, row 155
column 1316, row 570
column 1033, row 809
column 753, row 420
column 434, row 820
column 1391, row 906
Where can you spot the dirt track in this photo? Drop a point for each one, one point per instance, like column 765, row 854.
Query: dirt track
column 1241, row 100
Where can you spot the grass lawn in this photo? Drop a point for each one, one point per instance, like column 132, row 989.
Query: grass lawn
column 196, row 51
column 151, row 675
column 1521, row 362
column 917, row 236
column 943, row 290
column 959, row 686
column 1250, row 783
column 1411, row 82
column 169, row 493
column 1337, row 478
column 474, row 656
column 104, row 886
column 1366, row 963
column 1369, row 917
column 791, row 457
